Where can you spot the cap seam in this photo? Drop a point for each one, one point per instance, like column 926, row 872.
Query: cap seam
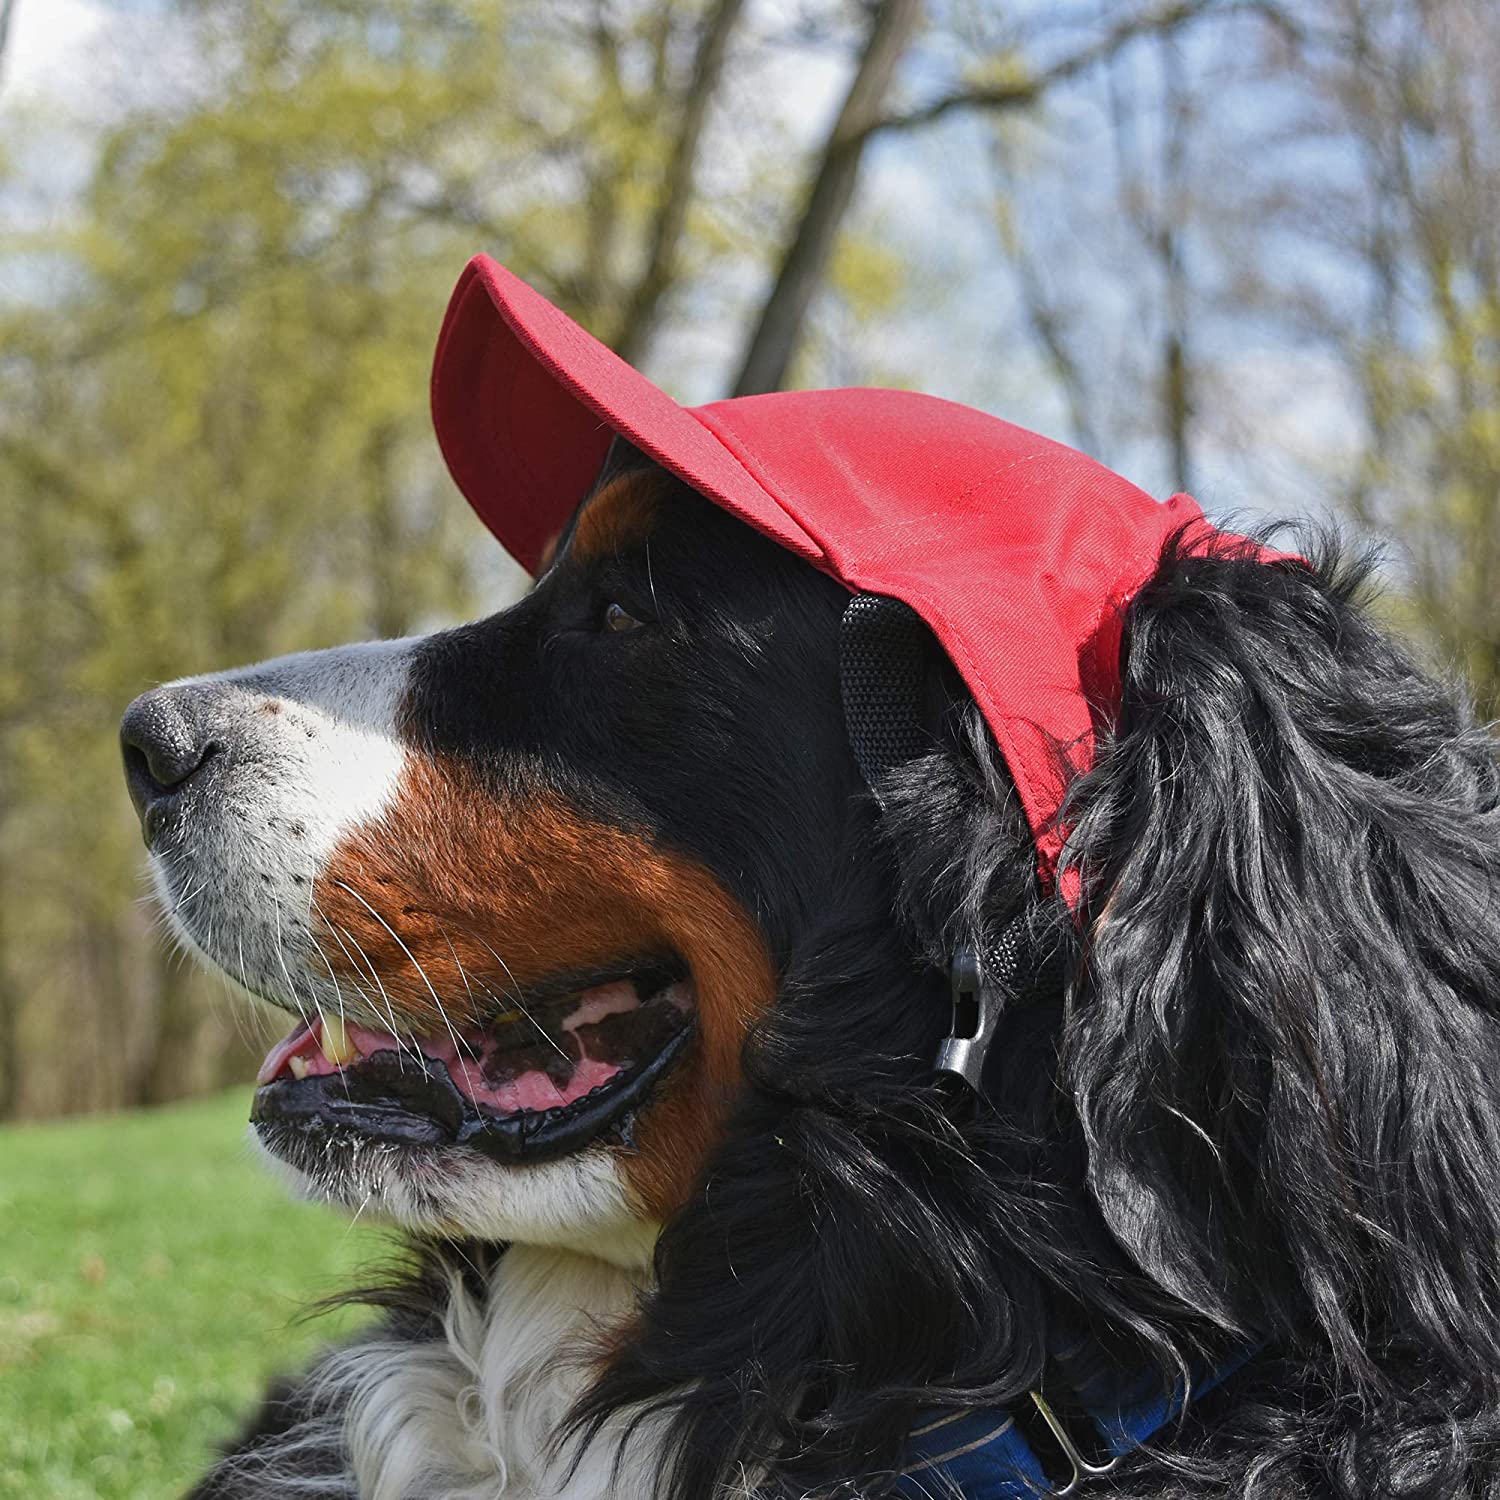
column 732, row 443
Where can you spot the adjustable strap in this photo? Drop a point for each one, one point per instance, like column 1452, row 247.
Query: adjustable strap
column 885, row 650
column 975, row 1453
column 885, row 653
column 989, row 1453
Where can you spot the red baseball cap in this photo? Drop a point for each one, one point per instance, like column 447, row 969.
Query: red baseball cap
column 1017, row 552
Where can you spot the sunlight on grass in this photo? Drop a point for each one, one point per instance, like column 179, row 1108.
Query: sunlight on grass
column 151, row 1276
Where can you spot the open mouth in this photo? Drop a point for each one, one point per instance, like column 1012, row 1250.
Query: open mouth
column 537, row 1082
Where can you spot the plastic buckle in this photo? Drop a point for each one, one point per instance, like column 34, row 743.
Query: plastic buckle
column 976, row 1018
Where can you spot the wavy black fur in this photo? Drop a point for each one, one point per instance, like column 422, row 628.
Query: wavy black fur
column 1266, row 1106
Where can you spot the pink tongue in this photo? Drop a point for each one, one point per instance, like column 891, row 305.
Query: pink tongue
column 533, row 1089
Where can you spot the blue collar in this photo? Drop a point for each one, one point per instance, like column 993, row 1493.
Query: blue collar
column 981, row 1453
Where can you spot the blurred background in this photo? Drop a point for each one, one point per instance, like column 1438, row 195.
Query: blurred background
column 1251, row 249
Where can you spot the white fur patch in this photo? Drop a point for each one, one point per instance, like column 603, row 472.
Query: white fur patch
column 476, row 1415
column 578, row 1203
column 314, row 752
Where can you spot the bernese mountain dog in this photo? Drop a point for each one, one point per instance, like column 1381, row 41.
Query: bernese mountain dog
column 620, row 988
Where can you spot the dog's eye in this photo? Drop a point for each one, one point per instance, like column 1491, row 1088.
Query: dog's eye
column 618, row 619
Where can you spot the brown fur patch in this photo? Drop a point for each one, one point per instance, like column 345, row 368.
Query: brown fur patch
column 548, row 554
column 620, row 515
column 489, row 894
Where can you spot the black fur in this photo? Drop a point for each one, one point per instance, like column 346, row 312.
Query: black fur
column 1267, row 1107
column 717, row 730
column 1263, row 1107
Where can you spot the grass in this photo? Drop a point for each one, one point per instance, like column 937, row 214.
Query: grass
column 151, row 1277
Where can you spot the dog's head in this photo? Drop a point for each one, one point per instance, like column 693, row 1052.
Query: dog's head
column 592, row 926
column 526, row 884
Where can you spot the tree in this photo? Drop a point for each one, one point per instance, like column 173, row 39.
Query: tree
column 7, row 15
column 1417, row 90
column 643, row 305
column 774, row 338
column 1001, row 84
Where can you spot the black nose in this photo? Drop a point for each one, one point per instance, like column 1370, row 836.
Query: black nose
column 167, row 737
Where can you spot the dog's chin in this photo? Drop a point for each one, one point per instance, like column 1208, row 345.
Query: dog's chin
column 578, row 1202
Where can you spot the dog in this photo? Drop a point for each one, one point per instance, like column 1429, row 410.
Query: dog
column 621, row 977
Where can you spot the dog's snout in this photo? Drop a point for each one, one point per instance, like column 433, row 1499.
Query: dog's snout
column 167, row 737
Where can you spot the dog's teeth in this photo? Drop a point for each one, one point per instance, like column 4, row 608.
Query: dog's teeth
column 298, row 1065
column 334, row 1040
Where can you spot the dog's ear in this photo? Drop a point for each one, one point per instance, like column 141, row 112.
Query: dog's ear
column 1283, row 1041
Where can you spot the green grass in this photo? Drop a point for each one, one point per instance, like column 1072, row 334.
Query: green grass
column 151, row 1276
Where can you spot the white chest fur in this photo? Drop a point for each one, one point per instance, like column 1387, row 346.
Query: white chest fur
column 475, row 1415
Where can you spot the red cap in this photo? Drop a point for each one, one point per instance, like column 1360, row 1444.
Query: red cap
column 1017, row 551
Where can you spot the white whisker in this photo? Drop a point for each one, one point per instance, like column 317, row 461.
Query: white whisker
column 453, row 1035
column 385, row 999
column 515, row 994
column 281, row 959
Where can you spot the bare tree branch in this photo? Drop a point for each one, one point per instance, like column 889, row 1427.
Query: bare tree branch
column 1048, row 326
column 7, row 14
column 1178, row 374
column 774, row 341
column 643, row 310
column 1024, row 91
column 1046, row 315
column 11, row 999
column 601, row 198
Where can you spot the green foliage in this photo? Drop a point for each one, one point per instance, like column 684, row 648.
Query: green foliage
column 1436, row 410
column 152, row 1277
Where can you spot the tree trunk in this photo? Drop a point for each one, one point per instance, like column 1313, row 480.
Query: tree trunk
column 10, row 1021
column 1177, row 373
column 779, row 329
column 7, row 14
column 168, row 1071
column 643, row 309
column 390, row 610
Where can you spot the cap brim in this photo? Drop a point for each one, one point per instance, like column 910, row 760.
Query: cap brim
column 526, row 403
